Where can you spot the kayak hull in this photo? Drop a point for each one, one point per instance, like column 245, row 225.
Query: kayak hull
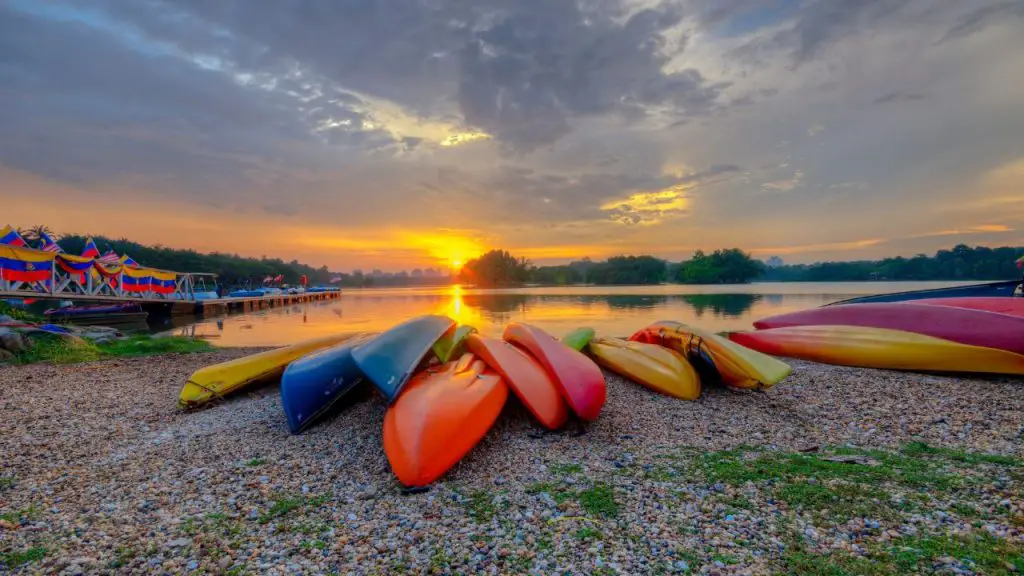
column 578, row 378
column 735, row 365
column 661, row 369
column 579, row 338
column 525, row 376
column 880, row 348
column 440, row 416
column 1011, row 306
column 222, row 379
column 311, row 385
column 451, row 342
column 393, row 356
column 1002, row 289
column 972, row 327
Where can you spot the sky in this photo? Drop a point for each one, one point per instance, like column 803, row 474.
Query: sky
column 397, row 134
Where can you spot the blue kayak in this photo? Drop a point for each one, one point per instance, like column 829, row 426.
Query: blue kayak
column 314, row 383
column 1004, row 288
column 391, row 358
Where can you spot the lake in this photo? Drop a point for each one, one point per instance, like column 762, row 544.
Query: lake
column 611, row 310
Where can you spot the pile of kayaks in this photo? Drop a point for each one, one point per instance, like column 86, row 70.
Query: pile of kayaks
column 446, row 385
column 972, row 335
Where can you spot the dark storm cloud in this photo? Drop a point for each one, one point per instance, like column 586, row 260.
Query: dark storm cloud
column 519, row 69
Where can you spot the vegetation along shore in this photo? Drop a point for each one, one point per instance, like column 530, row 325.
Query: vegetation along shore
column 834, row 471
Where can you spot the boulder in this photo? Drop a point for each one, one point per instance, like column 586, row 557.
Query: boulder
column 12, row 341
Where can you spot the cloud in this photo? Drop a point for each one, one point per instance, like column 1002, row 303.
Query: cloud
column 983, row 16
column 785, row 184
column 897, row 96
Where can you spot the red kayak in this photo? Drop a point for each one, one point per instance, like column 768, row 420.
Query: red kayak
column 1011, row 306
column 963, row 325
column 577, row 377
column 525, row 376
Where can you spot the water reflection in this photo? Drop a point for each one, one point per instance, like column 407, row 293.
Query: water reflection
column 613, row 311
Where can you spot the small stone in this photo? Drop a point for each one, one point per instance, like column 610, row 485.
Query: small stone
column 178, row 543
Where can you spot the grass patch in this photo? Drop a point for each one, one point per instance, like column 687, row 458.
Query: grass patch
column 588, row 533
column 801, row 562
column 839, row 501
column 256, row 462
column 558, row 492
column 919, row 449
column 60, row 350
column 481, row 506
column 313, row 545
column 990, row 555
column 565, row 469
column 279, row 508
column 18, row 313
column 16, row 558
column 6, row 482
column 25, row 514
column 599, row 500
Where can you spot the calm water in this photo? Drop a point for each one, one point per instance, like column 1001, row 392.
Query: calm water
column 617, row 311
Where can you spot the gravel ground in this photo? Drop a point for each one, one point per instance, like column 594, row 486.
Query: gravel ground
column 101, row 473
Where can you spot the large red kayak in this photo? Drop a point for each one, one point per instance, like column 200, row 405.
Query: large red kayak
column 525, row 376
column 441, row 414
column 966, row 326
column 577, row 377
column 1011, row 306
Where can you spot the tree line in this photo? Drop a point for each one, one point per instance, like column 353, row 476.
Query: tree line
column 733, row 266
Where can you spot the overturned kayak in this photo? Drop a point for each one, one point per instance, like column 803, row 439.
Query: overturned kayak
column 440, row 416
column 579, row 338
column 578, row 379
column 966, row 326
column 735, row 365
column 311, row 385
column 450, row 344
column 880, row 348
column 392, row 357
column 525, row 376
column 1011, row 306
column 221, row 379
column 661, row 369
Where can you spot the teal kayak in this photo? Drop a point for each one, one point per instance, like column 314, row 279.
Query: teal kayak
column 389, row 360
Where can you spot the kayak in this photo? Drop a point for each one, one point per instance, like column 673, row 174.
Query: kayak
column 1011, row 306
column 451, row 343
column 734, row 365
column 661, row 369
column 311, row 385
column 221, row 379
column 578, row 379
column 973, row 327
column 440, row 416
column 525, row 376
column 880, row 348
column 392, row 358
column 579, row 338
column 1001, row 289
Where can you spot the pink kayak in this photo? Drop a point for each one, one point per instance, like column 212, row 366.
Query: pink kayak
column 1011, row 306
column 963, row 325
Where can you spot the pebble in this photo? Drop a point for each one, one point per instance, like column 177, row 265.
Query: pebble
column 133, row 472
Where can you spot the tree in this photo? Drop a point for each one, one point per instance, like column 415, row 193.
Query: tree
column 628, row 270
column 728, row 266
column 34, row 234
column 496, row 268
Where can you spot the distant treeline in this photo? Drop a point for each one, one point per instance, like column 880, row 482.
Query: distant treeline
column 961, row 263
column 733, row 266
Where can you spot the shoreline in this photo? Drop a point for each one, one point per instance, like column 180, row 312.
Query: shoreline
column 103, row 474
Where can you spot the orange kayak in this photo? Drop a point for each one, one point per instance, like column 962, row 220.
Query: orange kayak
column 525, row 376
column 578, row 379
column 442, row 413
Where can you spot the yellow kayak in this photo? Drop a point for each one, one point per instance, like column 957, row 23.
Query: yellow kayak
column 738, row 367
column 880, row 348
column 221, row 379
column 656, row 367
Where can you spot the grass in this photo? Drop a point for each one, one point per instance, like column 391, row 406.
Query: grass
column 565, row 469
column 18, row 313
column 919, row 449
column 6, row 482
column 16, row 558
column 313, row 545
column 16, row 517
column 600, row 500
column 256, row 462
column 588, row 533
column 60, row 350
column 280, row 507
column 481, row 506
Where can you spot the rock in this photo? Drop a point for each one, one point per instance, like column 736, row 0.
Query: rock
column 853, row 459
column 178, row 543
column 12, row 341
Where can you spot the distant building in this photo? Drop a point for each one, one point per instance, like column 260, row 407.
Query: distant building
column 774, row 262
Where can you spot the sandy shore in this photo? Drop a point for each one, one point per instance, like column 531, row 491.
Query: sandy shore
column 101, row 473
